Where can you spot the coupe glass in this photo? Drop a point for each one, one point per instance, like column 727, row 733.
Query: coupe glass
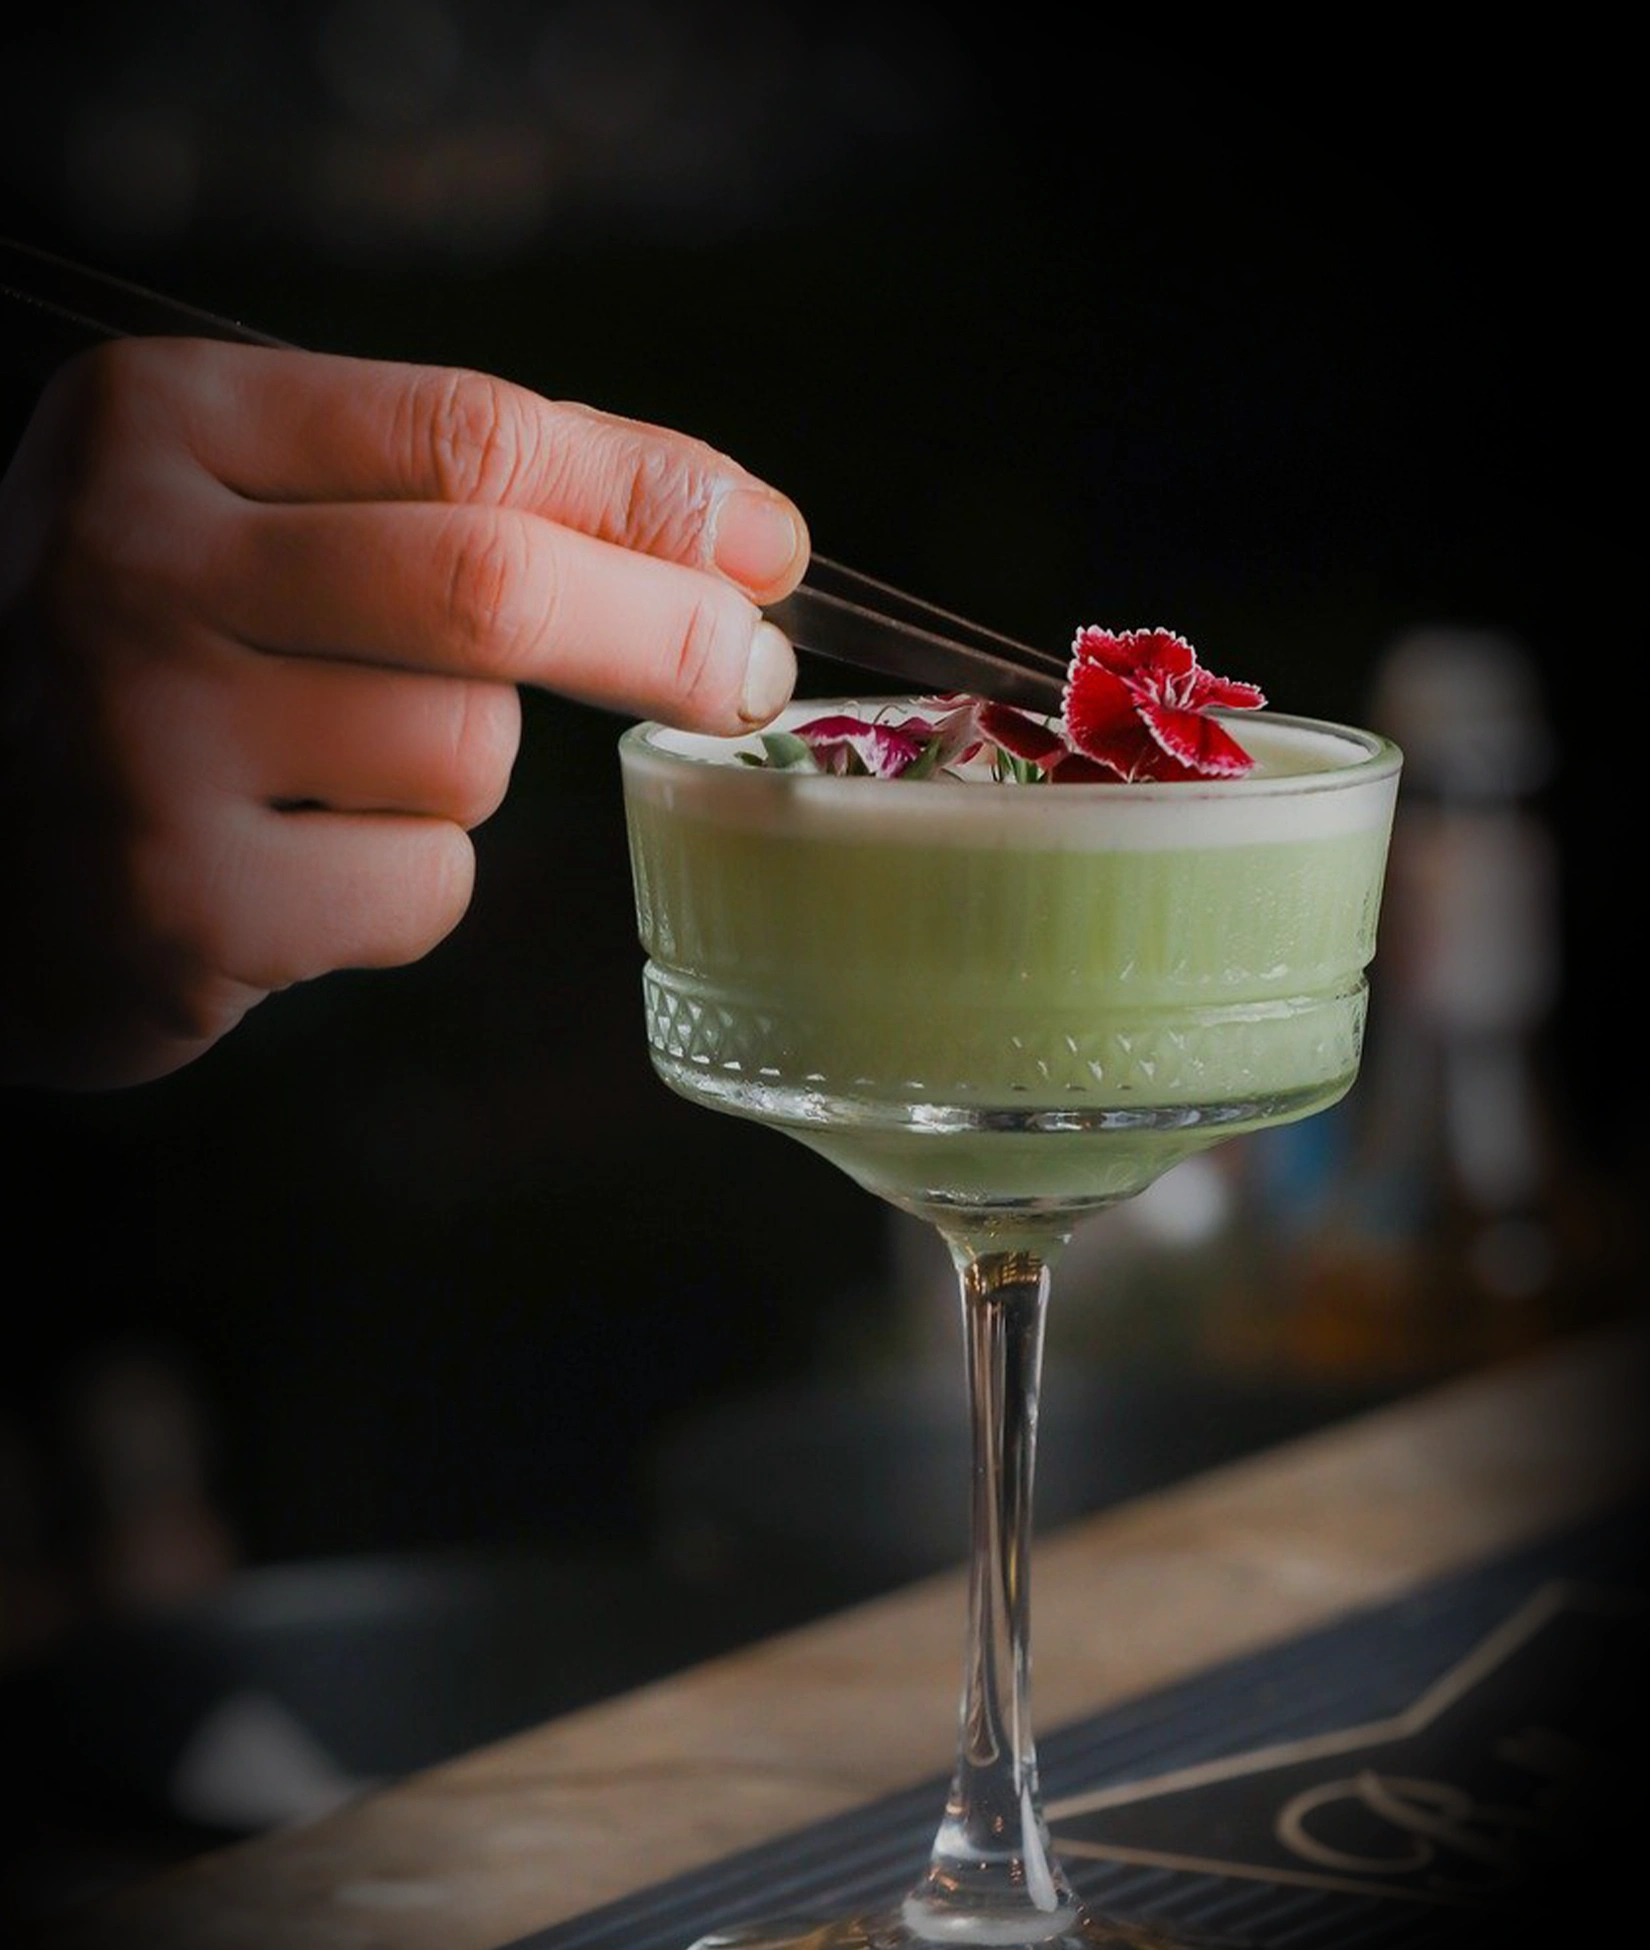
column 1004, row 1007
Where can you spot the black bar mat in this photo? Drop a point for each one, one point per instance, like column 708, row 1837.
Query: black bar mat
column 1463, row 1766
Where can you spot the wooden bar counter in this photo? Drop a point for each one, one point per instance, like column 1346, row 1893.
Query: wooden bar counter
column 575, row 1813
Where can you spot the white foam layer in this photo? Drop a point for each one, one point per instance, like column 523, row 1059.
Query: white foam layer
column 1309, row 779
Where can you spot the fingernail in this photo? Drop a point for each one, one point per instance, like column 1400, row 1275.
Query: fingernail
column 754, row 537
column 770, row 674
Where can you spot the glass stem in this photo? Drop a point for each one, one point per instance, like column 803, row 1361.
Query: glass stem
column 992, row 1878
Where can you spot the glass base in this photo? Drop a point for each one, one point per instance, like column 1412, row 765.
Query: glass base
column 891, row 1932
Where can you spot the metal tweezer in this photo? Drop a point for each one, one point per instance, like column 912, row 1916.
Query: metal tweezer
column 835, row 612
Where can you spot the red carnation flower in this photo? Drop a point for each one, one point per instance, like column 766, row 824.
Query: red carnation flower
column 1135, row 706
column 1135, row 702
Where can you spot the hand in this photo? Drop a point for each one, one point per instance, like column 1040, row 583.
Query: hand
column 263, row 616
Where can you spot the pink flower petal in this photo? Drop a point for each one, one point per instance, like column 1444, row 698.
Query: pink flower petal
column 1022, row 736
column 957, row 734
column 1103, row 720
column 1127, row 652
column 1075, row 769
column 885, row 750
column 1227, row 691
column 1199, row 746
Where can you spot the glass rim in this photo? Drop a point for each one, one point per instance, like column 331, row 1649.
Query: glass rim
column 1380, row 758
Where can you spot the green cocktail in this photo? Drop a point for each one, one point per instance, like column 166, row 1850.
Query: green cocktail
column 951, row 990
column 1003, row 1005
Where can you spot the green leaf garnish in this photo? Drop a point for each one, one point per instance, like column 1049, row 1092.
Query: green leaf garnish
column 786, row 752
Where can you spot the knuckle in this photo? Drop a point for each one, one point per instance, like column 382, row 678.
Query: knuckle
column 116, row 409
column 96, row 389
column 494, row 594
column 110, row 545
column 486, row 735
column 204, row 1011
column 422, row 898
column 188, row 892
column 473, row 431
column 447, row 882
column 632, row 483
column 663, row 501
column 699, row 668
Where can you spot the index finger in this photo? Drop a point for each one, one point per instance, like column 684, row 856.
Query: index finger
column 311, row 426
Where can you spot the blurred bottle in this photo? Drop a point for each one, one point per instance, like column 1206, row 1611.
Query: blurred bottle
column 148, row 1532
column 1443, row 1215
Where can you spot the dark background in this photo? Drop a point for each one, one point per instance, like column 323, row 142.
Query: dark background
column 1290, row 342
